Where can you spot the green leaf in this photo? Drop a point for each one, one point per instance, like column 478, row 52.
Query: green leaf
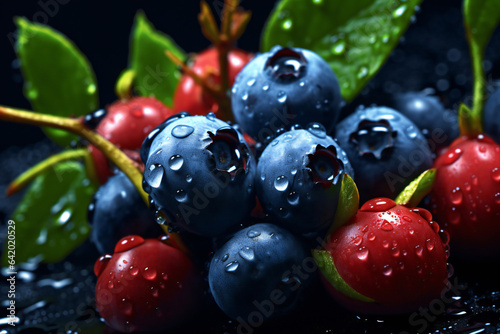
column 155, row 74
column 481, row 19
column 354, row 37
column 348, row 203
column 417, row 189
column 58, row 78
column 51, row 219
column 325, row 263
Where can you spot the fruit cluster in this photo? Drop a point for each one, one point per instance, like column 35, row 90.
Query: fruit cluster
column 262, row 190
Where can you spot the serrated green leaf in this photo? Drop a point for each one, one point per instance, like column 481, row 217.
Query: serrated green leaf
column 51, row 219
column 348, row 203
column 58, row 79
column 417, row 189
column 354, row 37
column 325, row 264
column 481, row 19
column 155, row 74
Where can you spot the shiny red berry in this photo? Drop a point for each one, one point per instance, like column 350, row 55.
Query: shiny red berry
column 145, row 285
column 466, row 195
column 190, row 97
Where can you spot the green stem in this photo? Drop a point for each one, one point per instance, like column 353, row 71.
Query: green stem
column 123, row 87
column 477, row 54
column 26, row 177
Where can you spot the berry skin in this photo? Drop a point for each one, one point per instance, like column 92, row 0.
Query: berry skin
column 284, row 87
column 438, row 125
column 298, row 179
column 145, row 285
column 491, row 121
column 117, row 211
column 256, row 266
column 190, row 97
column 126, row 124
column 393, row 255
column 199, row 172
column 466, row 195
column 386, row 150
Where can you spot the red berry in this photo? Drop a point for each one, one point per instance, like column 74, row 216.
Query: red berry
column 126, row 124
column 466, row 195
column 145, row 285
column 390, row 254
column 190, row 97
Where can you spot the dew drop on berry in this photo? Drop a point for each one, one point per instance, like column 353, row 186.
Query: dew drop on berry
column 282, row 96
column 189, row 178
column 224, row 258
column 387, row 270
column 372, row 237
column 247, row 253
column 362, row 253
column 133, row 270
column 419, row 250
column 456, row 196
column 358, row 240
column 181, row 196
column 101, row 263
column 154, row 175
column 154, row 292
column 429, row 244
column 452, row 156
column 182, row 131
column 293, row 198
column 232, row 266
column 454, row 216
column 423, row 213
column 128, row 243
column 253, row 234
column 317, row 129
column 378, row 205
column 265, row 87
column 281, row 183
column 495, row 174
column 149, row 273
column 386, row 226
column 175, row 162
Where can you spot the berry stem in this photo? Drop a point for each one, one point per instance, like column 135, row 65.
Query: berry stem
column 123, row 87
column 479, row 86
column 76, row 126
column 26, row 177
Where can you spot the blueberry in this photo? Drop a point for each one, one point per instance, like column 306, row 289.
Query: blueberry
column 298, row 179
column 385, row 148
column 118, row 210
column 437, row 124
column 257, row 270
column 199, row 173
column 284, row 87
column 491, row 116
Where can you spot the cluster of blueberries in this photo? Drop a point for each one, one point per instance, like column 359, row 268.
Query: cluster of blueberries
column 264, row 200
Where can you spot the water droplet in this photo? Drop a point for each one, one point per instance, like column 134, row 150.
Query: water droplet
column 423, row 213
column 362, row 253
column 247, row 253
column 244, row 97
column 137, row 112
column 372, row 237
column 282, row 96
column 265, row 87
column 386, row 226
column 379, row 206
column 363, row 72
column 251, row 82
column 149, row 273
column 189, row 178
column 338, row 48
column 387, row 271
column 160, row 217
column 399, row 11
column 91, row 89
column 281, row 183
column 64, row 217
column 128, row 243
column 253, row 234
column 429, row 244
column 181, row 196
column 133, row 270
column 317, row 129
column 101, row 264
column 225, row 257
column 456, row 196
column 385, row 38
column 155, row 175
column 175, row 162
column 154, row 292
column 182, row 131
column 454, row 216
column 287, row 24
column 358, row 240
column 232, row 266
column 111, row 285
column 451, row 157
column 293, row 198
column 495, row 174
column 211, row 116
column 419, row 250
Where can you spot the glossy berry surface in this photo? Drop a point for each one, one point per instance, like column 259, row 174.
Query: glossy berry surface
column 126, row 124
column 466, row 195
column 190, row 96
column 393, row 255
column 256, row 266
column 385, row 148
column 298, row 179
column 437, row 124
column 284, row 87
column 117, row 211
column 145, row 285
column 491, row 121
column 200, row 173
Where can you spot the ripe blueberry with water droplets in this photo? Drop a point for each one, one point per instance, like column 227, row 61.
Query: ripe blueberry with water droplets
column 438, row 125
column 118, row 210
column 298, row 179
column 199, row 173
column 145, row 285
column 284, row 87
column 256, row 265
column 387, row 259
column 385, row 148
